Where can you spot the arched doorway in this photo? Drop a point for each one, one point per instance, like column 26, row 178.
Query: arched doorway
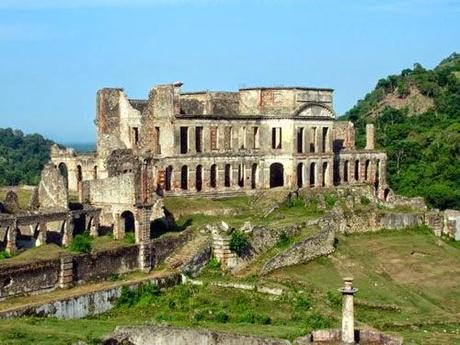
column 184, row 177
column 366, row 170
column 64, row 173
column 300, row 175
column 276, row 175
column 168, row 177
column 128, row 223
column 199, row 178
column 213, row 176
column 312, row 174
column 356, row 170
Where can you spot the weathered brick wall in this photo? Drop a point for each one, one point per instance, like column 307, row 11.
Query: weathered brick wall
column 28, row 278
column 101, row 265
column 165, row 246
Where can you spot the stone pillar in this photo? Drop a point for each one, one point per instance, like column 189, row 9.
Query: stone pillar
column 306, row 174
column 318, row 140
column 348, row 321
column 370, row 137
column 145, row 256
column 41, row 234
column 143, row 236
column 11, row 238
column 319, row 174
column 67, row 234
column 341, row 172
column 362, row 170
column 66, row 272
column 94, row 226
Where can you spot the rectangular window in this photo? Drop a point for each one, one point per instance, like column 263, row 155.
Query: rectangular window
column 313, row 140
column 183, row 139
column 214, row 138
column 276, row 138
column 199, row 139
column 228, row 138
column 256, row 137
column 324, row 139
column 299, row 140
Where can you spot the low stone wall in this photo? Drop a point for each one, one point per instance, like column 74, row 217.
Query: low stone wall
column 28, row 278
column 165, row 246
column 391, row 220
column 161, row 335
column 88, row 304
column 101, row 265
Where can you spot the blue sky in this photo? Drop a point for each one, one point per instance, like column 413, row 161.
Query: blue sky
column 55, row 54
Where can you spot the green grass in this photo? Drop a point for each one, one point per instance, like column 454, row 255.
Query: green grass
column 23, row 194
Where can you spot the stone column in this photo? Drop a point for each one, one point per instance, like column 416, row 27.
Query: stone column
column 348, row 321
column 341, row 172
column 67, row 234
column 143, row 236
column 318, row 140
column 370, row 137
column 351, row 168
column 362, row 170
column 41, row 234
column 11, row 238
column 94, row 226
column 66, row 272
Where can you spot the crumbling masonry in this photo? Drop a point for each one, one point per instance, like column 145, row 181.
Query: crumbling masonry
column 213, row 143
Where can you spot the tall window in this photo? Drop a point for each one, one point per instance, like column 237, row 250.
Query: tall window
column 214, row 137
column 242, row 137
column 299, row 140
column 228, row 138
column 199, row 139
column 276, row 138
column 256, row 137
column 183, row 139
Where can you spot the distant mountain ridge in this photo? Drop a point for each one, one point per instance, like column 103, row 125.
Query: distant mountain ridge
column 417, row 119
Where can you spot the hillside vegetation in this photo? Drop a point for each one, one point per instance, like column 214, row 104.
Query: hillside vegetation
column 22, row 157
column 417, row 119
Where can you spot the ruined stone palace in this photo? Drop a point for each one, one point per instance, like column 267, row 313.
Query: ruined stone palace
column 211, row 144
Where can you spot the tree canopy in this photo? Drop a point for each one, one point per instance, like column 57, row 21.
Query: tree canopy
column 423, row 149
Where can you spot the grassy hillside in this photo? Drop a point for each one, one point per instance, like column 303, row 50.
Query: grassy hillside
column 417, row 118
column 22, row 157
column 409, row 284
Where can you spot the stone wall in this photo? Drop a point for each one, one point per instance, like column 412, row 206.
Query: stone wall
column 160, row 335
column 101, row 265
column 28, row 278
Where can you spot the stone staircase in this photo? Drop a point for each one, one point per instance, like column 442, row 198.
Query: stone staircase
column 199, row 245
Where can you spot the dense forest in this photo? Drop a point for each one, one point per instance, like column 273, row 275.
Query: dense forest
column 22, row 157
column 417, row 119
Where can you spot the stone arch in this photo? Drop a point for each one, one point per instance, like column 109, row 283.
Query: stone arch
column 184, row 177
column 168, row 177
column 213, row 176
column 228, row 175
column 128, row 222
column 300, row 175
column 386, row 194
column 377, row 174
column 314, row 109
column 199, row 178
column 312, row 174
column 254, row 170
column 276, row 175
column 64, row 173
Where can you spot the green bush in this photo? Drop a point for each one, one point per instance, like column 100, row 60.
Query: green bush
column 4, row 255
column 143, row 295
column 130, row 238
column 214, row 264
column 365, row 200
column 239, row 243
column 284, row 240
column 221, row 316
column 81, row 244
column 318, row 321
column 330, row 200
column 295, row 202
column 302, row 303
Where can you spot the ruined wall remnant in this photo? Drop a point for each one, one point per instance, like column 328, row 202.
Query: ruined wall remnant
column 11, row 202
column 52, row 190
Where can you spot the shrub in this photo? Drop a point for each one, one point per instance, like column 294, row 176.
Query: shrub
column 4, row 254
column 81, row 244
column 318, row 321
column 222, row 317
column 239, row 243
column 214, row 264
column 295, row 202
column 365, row 200
column 330, row 200
column 142, row 295
column 263, row 319
column 130, row 238
column 284, row 240
column 302, row 303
